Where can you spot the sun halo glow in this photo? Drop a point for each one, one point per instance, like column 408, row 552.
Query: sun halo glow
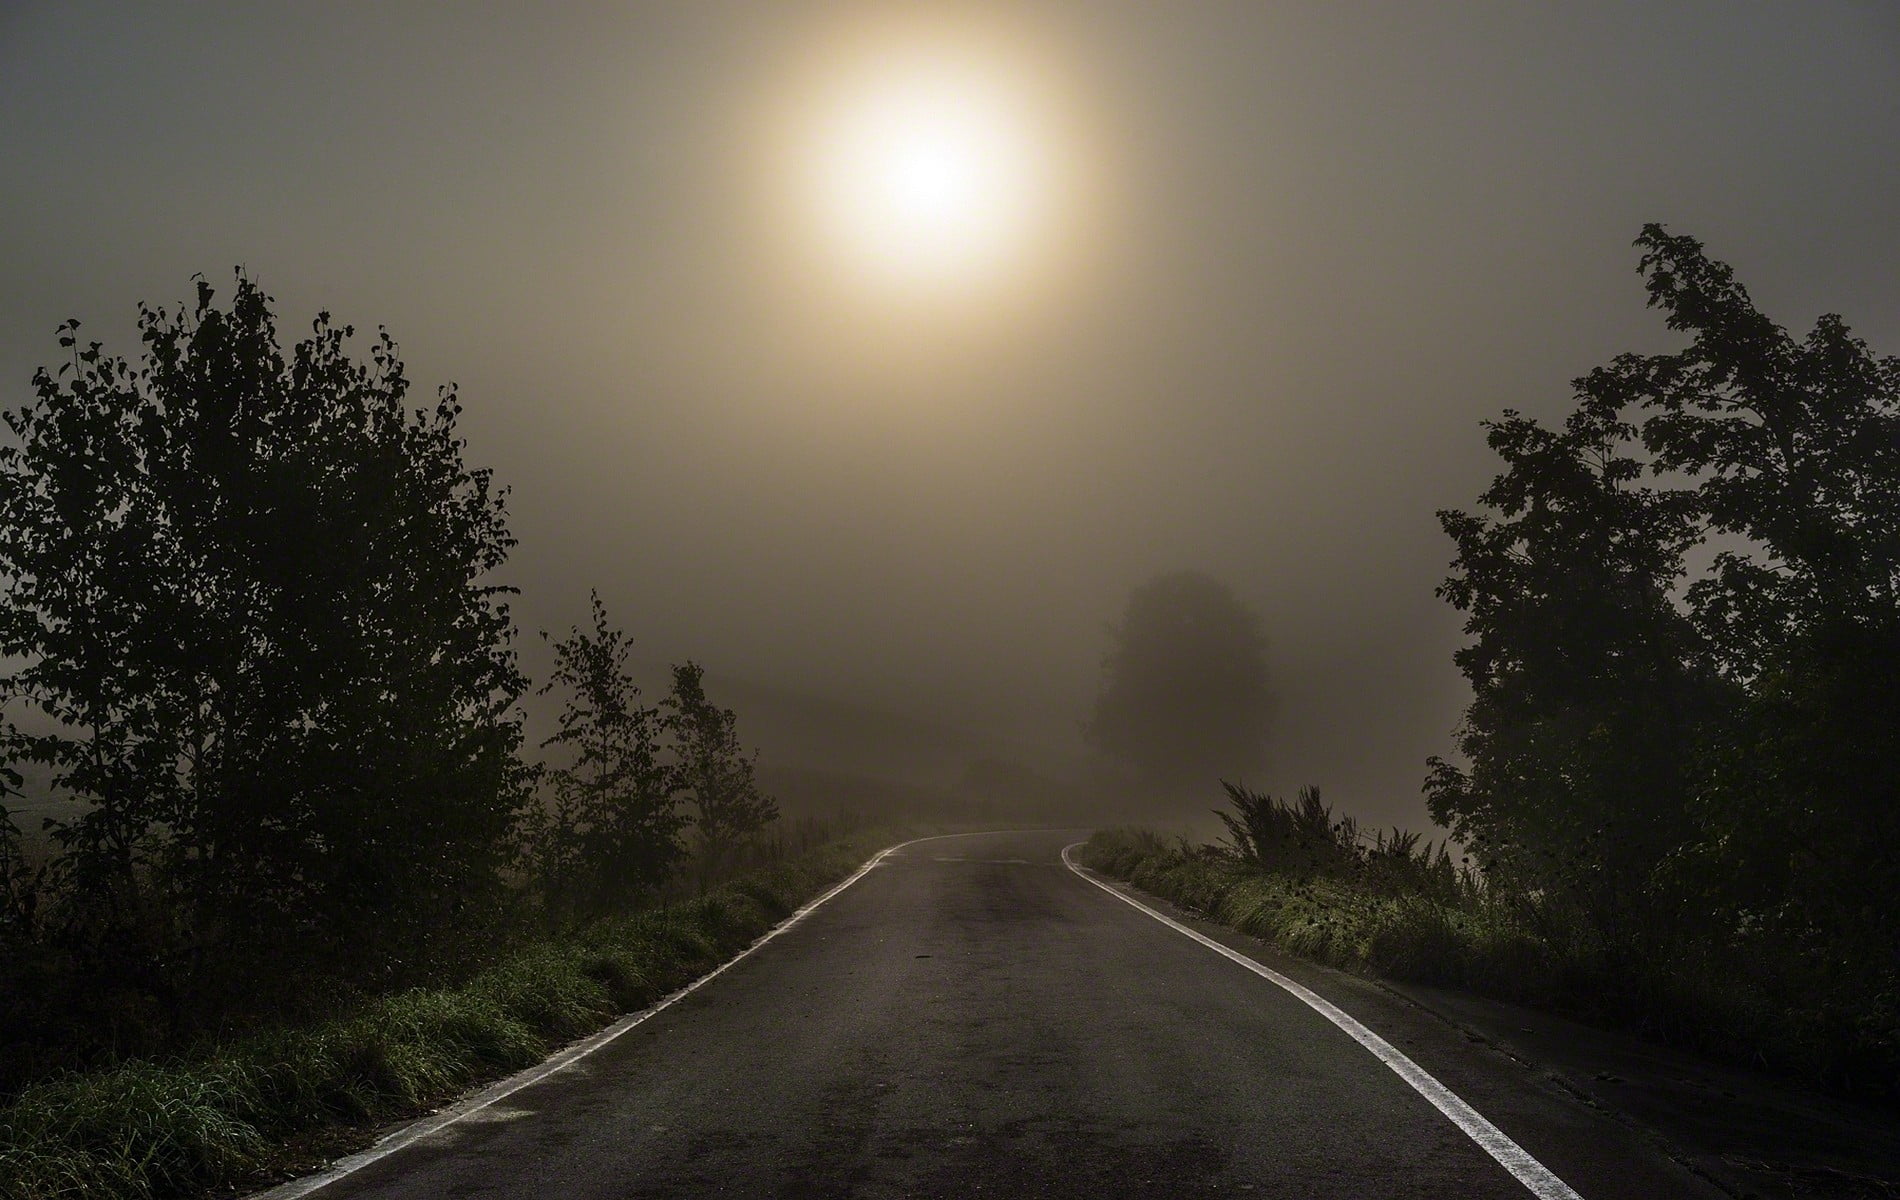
column 927, row 172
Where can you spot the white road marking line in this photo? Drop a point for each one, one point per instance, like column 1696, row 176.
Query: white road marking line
column 1493, row 1141
column 502, row 1089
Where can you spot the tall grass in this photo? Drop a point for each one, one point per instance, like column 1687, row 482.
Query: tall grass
column 1302, row 839
column 220, row 1118
column 1365, row 912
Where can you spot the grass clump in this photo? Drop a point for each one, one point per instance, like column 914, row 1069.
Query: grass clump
column 219, row 1118
column 140, row 1129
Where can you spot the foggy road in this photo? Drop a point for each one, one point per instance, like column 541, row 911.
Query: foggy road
column 972, row 1017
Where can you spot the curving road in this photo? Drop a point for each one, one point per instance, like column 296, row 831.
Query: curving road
column 974, row 1018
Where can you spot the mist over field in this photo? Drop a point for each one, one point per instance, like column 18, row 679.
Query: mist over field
column 1312, row 246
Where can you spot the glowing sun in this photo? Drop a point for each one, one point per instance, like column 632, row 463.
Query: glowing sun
column 927, row 168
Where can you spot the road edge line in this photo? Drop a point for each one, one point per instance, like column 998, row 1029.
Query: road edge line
column 1541, row 1180
column 568, row 1055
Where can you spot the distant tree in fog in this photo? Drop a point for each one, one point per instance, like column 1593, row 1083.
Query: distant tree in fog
column 1185, row 700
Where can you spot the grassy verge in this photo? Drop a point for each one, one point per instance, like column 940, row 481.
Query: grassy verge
column 240, row 1114
column 1332, row 921
column 1705, row 997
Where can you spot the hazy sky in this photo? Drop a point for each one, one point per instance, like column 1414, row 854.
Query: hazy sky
column 1295, row 253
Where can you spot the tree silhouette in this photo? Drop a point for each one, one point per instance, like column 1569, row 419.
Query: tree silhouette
column 728, row 808
column 1725, row 736
column 251, row 590
column 1588, row 683
column 612, row 832
column 1184, row 699
column 1795, row 447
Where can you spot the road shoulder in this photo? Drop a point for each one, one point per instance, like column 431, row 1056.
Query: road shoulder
column 1743, row 1133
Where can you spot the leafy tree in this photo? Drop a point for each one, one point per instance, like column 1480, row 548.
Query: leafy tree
column 1795, row 447
column 728, row 807
column 1748, row 718
column 612, row 833
column 1588, row 682
column 251, row 591
column 81, row 558
column 1185, row 699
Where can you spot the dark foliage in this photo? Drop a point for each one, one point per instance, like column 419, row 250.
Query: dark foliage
column 1274, row 835
column 249, row 590
column 1706, row 760
column 1589, row 683
column 720, row 778
column 249, row 594
column 20, row 882
column 611, row 832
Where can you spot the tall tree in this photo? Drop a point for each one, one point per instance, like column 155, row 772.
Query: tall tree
column 1184, row 699
column 1795, row 448
column 1761, row 701
column 1587, row 681
column 253, row 592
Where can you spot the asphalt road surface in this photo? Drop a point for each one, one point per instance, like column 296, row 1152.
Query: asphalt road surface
column 973, row 1018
